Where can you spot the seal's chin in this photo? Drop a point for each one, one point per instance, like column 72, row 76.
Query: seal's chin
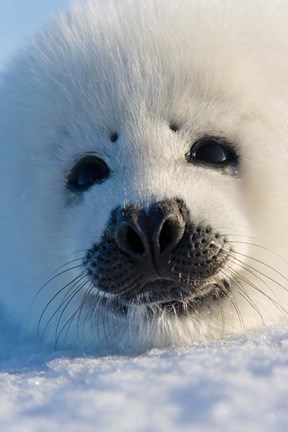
column 166, row 296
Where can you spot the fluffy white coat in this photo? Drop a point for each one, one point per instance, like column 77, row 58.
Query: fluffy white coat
column 214, row 67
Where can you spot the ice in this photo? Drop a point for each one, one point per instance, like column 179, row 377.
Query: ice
column 235, row 385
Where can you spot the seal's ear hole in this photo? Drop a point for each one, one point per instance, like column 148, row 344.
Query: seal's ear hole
column 174, row 126
column 113, row 136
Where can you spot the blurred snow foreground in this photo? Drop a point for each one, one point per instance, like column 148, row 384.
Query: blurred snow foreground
column 236, row 385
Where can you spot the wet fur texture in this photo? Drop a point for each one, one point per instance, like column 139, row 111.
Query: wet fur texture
column 135, row 68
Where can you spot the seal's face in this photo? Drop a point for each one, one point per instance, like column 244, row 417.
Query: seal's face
column 158, row 254
column 146, row 164
column 154, row 209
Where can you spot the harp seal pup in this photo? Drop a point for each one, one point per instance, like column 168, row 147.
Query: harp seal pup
column 144, row 150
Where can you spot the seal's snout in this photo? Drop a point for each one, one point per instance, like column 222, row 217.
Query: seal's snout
column 148, row 238
column 156, row 251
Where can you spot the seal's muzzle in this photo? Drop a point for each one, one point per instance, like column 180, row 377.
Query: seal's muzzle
column 158, row 252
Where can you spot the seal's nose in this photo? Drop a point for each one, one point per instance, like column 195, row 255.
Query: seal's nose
column 149, row 237
column 158, row 252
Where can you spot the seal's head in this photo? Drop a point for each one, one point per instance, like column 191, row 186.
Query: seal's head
column 145, row 158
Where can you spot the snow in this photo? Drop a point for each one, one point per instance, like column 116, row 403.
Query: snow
column 236, row 385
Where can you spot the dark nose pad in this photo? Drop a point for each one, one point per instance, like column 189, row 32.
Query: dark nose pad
column 150, row 237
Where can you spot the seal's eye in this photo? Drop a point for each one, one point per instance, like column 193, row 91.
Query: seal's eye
column 214, row 152
column 88, row 171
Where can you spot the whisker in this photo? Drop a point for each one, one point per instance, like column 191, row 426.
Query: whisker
column 238, row 312
column 73, row 282
column 248, row 268
column 65, row 303
column 252, row 285
column 246, row 296
column 95, row 309
column 260, row 262
column 56, row 276
column 83, row 303
column 70, row 319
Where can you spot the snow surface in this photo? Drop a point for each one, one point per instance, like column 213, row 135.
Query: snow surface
column 236, row 385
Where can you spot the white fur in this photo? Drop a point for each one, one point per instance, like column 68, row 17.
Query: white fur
column 132, row 67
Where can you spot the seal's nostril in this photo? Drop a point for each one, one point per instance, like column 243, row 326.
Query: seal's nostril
column 170, row 234
column 134, row 242
column 165, row 236
column 129, row 240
